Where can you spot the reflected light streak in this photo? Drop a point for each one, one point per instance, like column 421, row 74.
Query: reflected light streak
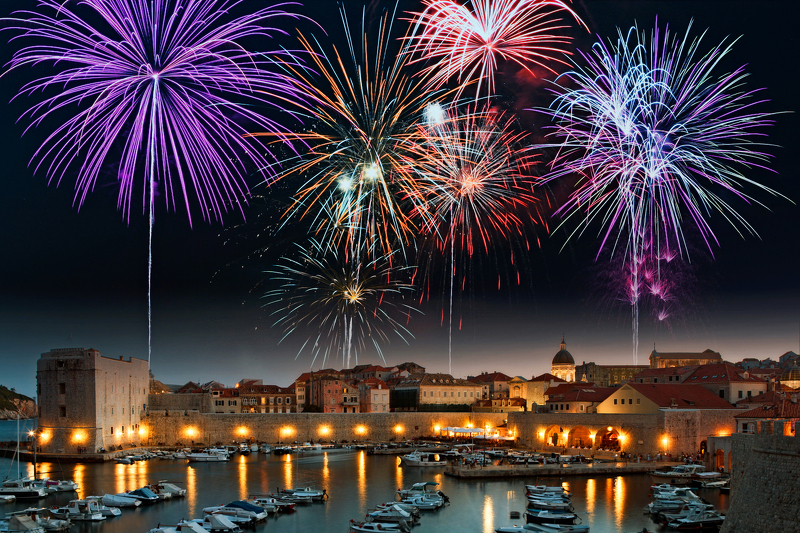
column 619, row 500
column 242, row 478
column 191, row 489
column 287, row 470
column 362, row 479
column 488, row 514
column 591, row 495
column 119, row 478
column 326, row 472
column 398, row 474
column 78, row 476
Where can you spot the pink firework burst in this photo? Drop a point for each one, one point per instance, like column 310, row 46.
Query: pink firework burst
column 457, row 42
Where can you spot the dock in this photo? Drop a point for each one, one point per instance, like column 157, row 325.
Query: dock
column 618, row 468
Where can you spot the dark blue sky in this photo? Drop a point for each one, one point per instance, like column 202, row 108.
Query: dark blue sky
column 78, row 278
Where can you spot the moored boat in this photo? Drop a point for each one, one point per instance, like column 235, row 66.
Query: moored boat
column 539, row 516
column 109, row 512
column 120, row 500
column 79, row 511
column 22, row 489
column 417, row 458
column 38, row 517
column 678, row 475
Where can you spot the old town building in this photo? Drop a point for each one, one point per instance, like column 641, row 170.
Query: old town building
column 434, row 392
column 664, row 360
column 88, row 402
column 563, row 365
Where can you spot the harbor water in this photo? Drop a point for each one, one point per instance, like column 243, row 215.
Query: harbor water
column 354, row 481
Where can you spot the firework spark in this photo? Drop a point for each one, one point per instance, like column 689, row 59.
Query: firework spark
column 474, row 182
column 467, row 45
column 364, row 112
column 346, row 305
column 656, row 138
column 156, row 78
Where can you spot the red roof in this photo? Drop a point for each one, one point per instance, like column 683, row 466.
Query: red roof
column 374, row 383
column 669, row 371
column 681, row 396
column 765, row 397
column 564, row 388
column 494, row 376
column 721, row 373
column 767, row 372
column 588, row 394
column 548, row 377
column 783, row 409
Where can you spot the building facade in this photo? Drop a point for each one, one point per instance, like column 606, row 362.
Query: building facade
column 665, row 360
column 563, row 366
column 88, row 402
column 607, row 375
column 434, row 392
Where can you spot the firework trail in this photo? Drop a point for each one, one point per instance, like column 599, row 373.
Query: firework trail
column 155, row 76
column 465, row 44
column 364, row 106
column 657, row 139
column 473, row 184
column 346, row 304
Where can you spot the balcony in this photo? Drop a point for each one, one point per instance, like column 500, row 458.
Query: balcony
column 350, row 402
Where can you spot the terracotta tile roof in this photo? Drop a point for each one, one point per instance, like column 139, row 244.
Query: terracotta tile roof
column 374, row 383
column 494, row 376
column 226, row 392
column 766, row 373
column 705, row 354
column 721, row 373
column 588, row 394
column 671, row 371
column 548, row 377
column 681, row 396
column 564, row 388
column 765, row 397
column 783, row 409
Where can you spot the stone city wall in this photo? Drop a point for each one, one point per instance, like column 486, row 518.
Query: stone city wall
column 202, row 402
column 169, row 428
column 764, row 479
column 672, row 431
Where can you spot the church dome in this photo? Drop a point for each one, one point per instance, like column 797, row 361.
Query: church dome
column 563, row 357
column 791, row 376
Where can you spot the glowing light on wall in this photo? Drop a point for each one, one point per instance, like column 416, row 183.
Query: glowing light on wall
column 665, row 441
column 79, row 436
column 437, row 428
column 142, row 431
column 592, row 436
column 361, row 430
column 324, row 431
column 241, row 431
column 398, row 429
column 190, row 432
column 45, row 436
column 609, row 428
column 287, row 431
column 541, row 434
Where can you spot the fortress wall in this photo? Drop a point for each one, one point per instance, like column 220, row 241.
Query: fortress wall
column 764, row 479
column 191, row 427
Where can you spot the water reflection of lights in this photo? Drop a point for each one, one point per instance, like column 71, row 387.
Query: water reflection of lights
column 78, row 477
column 287, row 470
column 119, row 478
column 398, row 474
column 619, row 500
column 488, row 514
column 191, row 489
column 325, row 470
column 242, row 478
column 362, row 478
column 591, row 495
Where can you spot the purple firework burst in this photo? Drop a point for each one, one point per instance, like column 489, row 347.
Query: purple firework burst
column 164, row 80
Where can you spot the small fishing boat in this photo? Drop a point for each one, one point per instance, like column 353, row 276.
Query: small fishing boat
column 417, row 458
column 38, row 517
column 79, row 511
column 120, row 500
column 109, row 512
column 373, row 527
column 537, row 516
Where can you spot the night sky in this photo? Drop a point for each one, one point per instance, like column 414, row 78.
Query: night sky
column 78, row 278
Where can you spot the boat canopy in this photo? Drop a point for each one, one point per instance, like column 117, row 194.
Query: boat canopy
column 424, row 484
column 241, row 504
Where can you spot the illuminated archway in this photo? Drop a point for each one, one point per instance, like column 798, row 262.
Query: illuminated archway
column 720, row 460
column 552, row 436
column 608, row 439
column 580, row 437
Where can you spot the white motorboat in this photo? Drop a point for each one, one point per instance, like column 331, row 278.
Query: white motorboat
column 240, row 509
column 79, row 511
column 183, row 527
column 394, row 514
column 423, row 503
column 306, row 492
column 266, row 448
column 374, row 527
column 254, row 448
column 123, row 461
column 538, row 516
column 20, row 524
column 547, row 490
column 109, row 512
column 698, row 519
column 209, row 456
column 414, row 511
column 120, row 500
column 272, row 505
column 549, row 504
column 166, row 487
column 144, row 495
column 679, row 475
column 41, row 520
column 7, row 498
column 214, row 523
column 22, row 489
column 686, row 510
column 180, row 455
column 555, row 528
column 425, row 488
column 54, row 485
column 417, row 458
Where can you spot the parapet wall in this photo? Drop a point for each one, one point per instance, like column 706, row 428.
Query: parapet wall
column 171, row 428
column 764, row 481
